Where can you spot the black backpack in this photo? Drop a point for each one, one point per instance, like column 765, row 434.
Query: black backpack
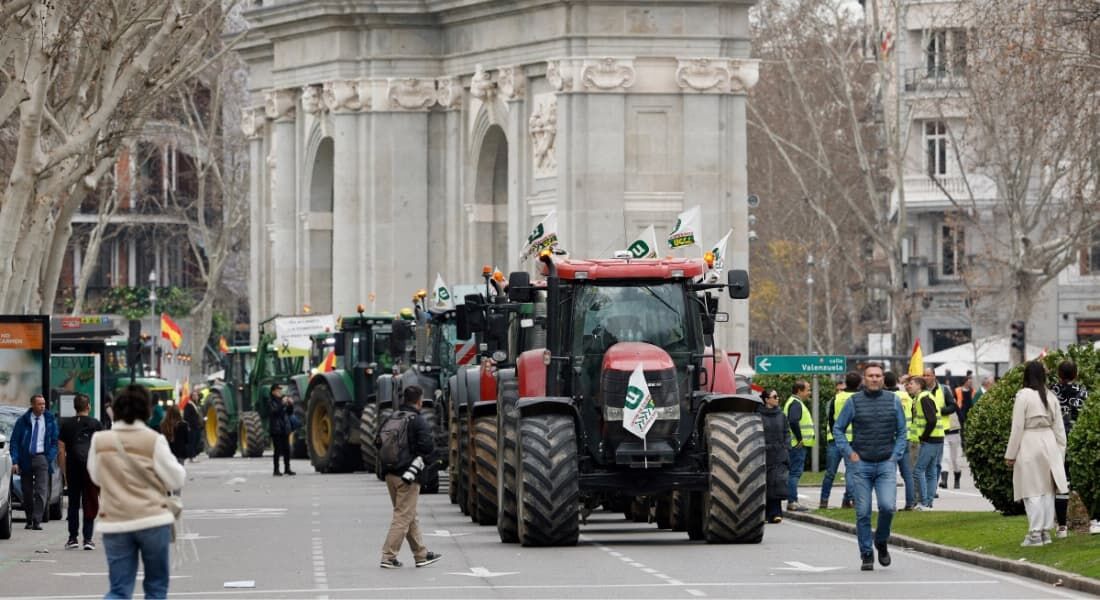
column 82, row 442
column 394, row 450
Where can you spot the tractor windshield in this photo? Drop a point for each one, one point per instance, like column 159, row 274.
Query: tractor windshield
column 382, row 350
column 441, row 349
column 607, row 314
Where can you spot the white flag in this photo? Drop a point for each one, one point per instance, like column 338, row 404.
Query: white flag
column 686, row 231
column 719, row 250
column 646, row 244
column 639, row 411
column 441, row 295
column 543, row 236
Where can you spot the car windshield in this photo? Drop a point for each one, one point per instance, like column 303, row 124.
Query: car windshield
column 607, row 314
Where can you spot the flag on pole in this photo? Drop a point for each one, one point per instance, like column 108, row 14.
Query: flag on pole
column 223, row 346
column 686, row 231
column 639, row 411
column 916, row 361
column 329, row 363
column 170, row 331
column 646, row 244
column 441, row 294
column 543, row 237
column 719, row 250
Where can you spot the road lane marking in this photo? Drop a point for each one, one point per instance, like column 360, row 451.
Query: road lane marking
column 696, row 593
column 234, row 513
column 483, row 572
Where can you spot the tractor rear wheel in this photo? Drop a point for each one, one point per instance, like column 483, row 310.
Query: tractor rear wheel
column 368, row 428
column 664, row 511
column 507, row 440
column 329, row 429
column 429, row 479
column 485, row 468
column 251, row 434
column 219, row 438
column 452, row 452
column 298, row 447
column 549, row 490
column 733, row 507
column 462, row 481
column 639, row 509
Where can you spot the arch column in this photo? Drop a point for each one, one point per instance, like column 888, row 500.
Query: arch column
column 342, row 100
column 282, row 239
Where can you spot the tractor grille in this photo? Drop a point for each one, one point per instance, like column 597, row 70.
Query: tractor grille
column 666, row 395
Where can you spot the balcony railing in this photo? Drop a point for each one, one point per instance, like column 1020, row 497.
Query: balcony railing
column 928, row 79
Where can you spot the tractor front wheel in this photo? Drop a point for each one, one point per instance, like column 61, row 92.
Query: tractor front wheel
column 733, row 507
column 329, row 427
column 219, row 438
column 549, row 489
column 485, row 468
column 251, row 434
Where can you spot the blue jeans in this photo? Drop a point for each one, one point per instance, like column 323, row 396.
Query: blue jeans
column 798, row 463
column 882, row 477
column 907, row 476
column 832, row 463
column 122, row 561
column 928, row 470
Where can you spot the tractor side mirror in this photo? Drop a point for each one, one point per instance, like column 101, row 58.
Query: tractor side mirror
column 738, row 282
column 475, row 313
column 519, row 287
column 338, row 344
column 462, row 324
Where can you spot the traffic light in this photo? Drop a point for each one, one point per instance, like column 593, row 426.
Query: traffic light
column 1019, row 336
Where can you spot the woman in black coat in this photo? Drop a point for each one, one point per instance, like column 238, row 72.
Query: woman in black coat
column 777, row 440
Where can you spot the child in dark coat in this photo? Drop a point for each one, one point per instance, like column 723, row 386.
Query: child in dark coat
column 777, row 440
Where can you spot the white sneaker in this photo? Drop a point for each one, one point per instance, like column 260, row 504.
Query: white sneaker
column 1094, row 526
column 1045, row 536
column 1033, row 538
column 1062, row 532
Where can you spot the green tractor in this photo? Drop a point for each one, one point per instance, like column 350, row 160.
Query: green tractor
column 236, row 409
column 343, row 402
column 118, row 373
column 321, row 346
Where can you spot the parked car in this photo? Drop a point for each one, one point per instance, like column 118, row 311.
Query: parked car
column 8, row 416
column 5, row 489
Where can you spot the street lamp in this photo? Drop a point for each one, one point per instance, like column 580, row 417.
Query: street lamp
column 810, row 303
column 153, row 316
column 153, row 292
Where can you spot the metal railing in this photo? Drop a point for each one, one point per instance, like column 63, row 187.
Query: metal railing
column 922, row 79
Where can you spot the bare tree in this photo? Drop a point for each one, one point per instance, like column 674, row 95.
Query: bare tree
column 108, row 207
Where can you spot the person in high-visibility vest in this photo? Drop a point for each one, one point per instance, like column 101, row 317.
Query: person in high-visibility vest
column 929, row 426
column 803, row 433
column 913, row 386
column 945, row 400
column 832, row 454
column 891, row 381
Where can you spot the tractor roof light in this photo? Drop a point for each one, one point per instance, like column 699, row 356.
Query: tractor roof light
column 359, row 308
column 708, row 258
column 486, row 270
column 422, row 293
column 498, row 277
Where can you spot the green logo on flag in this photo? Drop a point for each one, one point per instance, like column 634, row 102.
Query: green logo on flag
column 536, row 234
column 634, row 397
column 639, row 249
column 443, row 294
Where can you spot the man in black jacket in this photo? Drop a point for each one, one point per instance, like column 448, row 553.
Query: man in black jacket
column 402, row 478
column 280, row 407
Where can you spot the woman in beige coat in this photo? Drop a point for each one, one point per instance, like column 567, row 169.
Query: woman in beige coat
column 1036, row 451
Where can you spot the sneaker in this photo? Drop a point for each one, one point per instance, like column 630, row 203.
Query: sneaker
column 1063, row 532
column 883, row 554
column 868, row 562
column 847, row 504
column 910, row 507
column 428, row 559
column 392, row 563
column 1045, row 536
column 89, row 545
column 72, row 544
column 796, row 507
column 777, row 519
column 922, row 508
column 1094, row 526
column 1033, row 538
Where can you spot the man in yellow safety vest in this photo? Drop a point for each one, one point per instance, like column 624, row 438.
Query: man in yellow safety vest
column 803, row 433
column 832, row 454
column 930, row 430
column 891, row 380
column 945, row 400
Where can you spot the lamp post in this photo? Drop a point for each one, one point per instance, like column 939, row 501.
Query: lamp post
column 814, row 408
column 153, row 325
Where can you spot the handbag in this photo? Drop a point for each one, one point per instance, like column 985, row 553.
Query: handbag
column 175, row 504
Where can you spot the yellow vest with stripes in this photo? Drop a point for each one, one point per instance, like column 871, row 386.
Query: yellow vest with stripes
column 838, row 403
column 805, row 424
column 941, row 402
column 907, row 405
column 919, row 421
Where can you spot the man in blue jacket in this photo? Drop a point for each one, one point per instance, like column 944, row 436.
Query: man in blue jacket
column 33, row 454
column 878, row 443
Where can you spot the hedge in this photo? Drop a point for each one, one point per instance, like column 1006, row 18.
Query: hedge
column 989, row 423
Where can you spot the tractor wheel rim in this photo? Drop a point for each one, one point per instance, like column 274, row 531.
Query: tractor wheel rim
column 211, row 427
column 321, row 429
column 243, row 436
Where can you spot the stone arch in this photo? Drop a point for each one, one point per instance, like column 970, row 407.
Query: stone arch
column 318, row 230
column 489, row 210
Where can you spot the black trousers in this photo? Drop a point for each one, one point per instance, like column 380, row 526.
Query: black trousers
column 35, row 484
column 83, row 494
column 281, row 444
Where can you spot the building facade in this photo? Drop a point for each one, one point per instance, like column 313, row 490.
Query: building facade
column 393, row 141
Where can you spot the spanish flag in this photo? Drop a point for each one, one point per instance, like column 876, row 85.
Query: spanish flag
column 916, row 361
column 170, row 331
column 223, row 346
column 329, row 363
column 185, row 393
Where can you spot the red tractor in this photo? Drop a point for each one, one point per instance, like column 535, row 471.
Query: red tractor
column 562, row 445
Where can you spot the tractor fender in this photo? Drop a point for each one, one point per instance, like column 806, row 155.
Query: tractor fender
column 229, row 397
column 504, row 375
column 483, row 408
column 471, row 385
column 735, row 403
column 385, row 392
column 340, row 394
column 542, row 405
column 531, row 372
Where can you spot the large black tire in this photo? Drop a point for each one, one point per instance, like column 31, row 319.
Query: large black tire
column 452, row 446
column 695, row 516
column 733, row 507
column 5, row 523
column 368, row 428
column 663, row 511
column 383, row 416
column 549, row 488
column 298, row 447
column 329, row 429
column 507, row 445
column 639, row 509
column 462, row 481
column 679, row 520
column 220, row 439
column 251, row 434
column 485, row 468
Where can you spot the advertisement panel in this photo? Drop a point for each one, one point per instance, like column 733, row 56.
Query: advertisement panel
column 24, row 357
column 72, row 374
column 292, row 333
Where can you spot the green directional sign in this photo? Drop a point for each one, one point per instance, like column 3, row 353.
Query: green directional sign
column 805, row 364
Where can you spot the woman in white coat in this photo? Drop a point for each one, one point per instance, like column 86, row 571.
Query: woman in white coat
column 1036, row 451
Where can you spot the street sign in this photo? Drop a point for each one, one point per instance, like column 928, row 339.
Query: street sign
column 805, row 364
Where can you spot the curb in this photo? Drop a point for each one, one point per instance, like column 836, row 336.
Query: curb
column 1041, row 573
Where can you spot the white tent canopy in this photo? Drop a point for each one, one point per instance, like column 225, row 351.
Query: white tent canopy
column 961, row 367
column 987, row 350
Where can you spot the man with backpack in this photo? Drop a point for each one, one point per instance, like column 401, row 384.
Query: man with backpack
column 75, row 440
column 404, row 446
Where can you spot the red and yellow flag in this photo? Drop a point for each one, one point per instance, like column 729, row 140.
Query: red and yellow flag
column 170, row 331
column 223, row 346
column 916, row 361
column 185, row 393
column 329, row 363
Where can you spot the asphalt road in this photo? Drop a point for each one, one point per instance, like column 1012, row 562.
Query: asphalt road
column 318, row 536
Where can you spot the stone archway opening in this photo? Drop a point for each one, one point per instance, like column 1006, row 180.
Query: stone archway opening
column 319, row 230
column 491, row 200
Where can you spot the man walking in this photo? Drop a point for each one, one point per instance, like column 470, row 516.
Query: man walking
column 75, row 441
column 943, row 395
column 34, row 452
column 803, row 433
column 405, row 446
column 878, row 443
column 280, row 407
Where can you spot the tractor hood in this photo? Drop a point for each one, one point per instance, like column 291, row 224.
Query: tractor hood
column 625, row 356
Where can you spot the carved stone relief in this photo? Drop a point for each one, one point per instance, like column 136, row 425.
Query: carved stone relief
column 607, row 74
column 559, row 73
column 410, row 93
column 448, row 92
column 744, row 73
column 702, row 74
column 341, row 95
column 251, row 122
column 481, row 84
column 279, row 104
column 311, row 99
column 543, row 129
column 511, row 83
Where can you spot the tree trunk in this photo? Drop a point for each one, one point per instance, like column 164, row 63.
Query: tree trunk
column 95, row 241
column 53, row 262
